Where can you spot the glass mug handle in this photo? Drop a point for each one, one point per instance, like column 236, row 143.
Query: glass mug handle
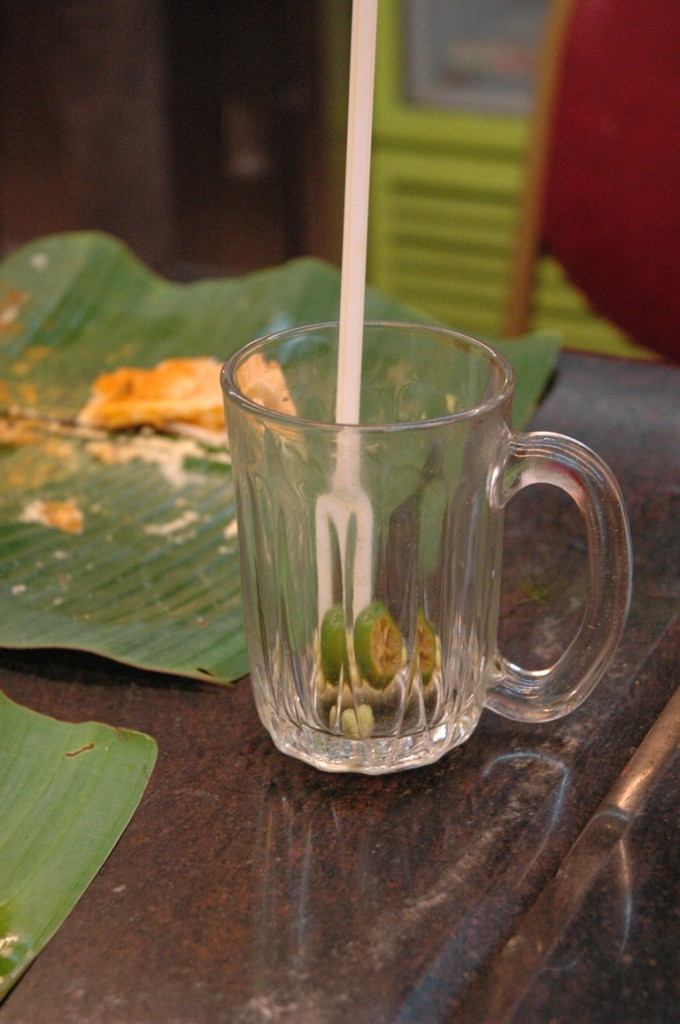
column 545, row 458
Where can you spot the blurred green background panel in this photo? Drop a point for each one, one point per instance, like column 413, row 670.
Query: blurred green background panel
column 452, row 129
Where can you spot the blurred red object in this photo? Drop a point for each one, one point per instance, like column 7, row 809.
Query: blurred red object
column 606, row 164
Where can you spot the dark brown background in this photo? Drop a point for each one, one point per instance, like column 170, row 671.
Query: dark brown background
column 194, row 131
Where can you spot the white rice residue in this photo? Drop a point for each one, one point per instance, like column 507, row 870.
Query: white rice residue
column 168, row 454
column 187, row 518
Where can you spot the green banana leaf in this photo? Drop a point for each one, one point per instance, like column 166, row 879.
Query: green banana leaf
column 67, row 793
column 152, row 578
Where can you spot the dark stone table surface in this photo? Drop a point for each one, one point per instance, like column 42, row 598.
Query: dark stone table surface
column 531, row 876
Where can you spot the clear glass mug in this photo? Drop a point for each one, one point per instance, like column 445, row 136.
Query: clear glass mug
column 371, row 553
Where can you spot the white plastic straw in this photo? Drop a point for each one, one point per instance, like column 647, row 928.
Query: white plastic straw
column 355, row 229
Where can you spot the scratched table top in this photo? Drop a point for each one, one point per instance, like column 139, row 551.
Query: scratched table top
column 529, row 876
